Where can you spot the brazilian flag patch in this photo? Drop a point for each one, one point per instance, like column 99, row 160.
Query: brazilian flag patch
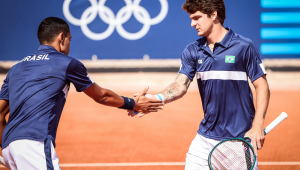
column 229, row 59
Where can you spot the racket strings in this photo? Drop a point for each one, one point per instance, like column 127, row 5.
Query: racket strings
column 232, row 155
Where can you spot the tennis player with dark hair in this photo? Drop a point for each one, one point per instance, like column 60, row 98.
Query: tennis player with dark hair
column 35, row 91
column 222, row 61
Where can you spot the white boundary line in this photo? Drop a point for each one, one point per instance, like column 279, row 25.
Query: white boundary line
column 155, row 164
column 159, row 164
column 125, row 164
column 278, row 163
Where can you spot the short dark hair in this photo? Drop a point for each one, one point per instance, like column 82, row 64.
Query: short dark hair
column 50, row 27
column 206, row 7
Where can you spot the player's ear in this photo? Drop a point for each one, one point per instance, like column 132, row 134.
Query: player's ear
column 61, row 37
column 214, row 15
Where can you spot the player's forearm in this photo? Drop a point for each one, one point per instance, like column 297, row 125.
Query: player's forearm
column 173, row 92
column 109, row 98
column 262, row 102
column 177, row 89
column 104, row 96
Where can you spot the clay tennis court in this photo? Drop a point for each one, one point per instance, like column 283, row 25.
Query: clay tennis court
column 91, row 136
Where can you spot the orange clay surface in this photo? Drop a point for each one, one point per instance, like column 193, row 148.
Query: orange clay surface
column 92, row 133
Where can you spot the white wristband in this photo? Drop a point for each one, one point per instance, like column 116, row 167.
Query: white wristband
column 160, row 97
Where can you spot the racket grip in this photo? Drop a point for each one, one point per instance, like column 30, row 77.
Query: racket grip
column 276, row 122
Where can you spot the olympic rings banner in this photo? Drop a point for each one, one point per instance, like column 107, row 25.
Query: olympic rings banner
column 133, row 29
column 115, row 21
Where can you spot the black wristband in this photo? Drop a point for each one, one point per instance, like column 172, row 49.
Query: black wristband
column 128, row 103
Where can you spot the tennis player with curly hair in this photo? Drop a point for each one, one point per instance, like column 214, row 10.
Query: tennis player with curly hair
column 222, row 61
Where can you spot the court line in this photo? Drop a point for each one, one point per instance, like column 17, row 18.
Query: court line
column 160, row 164
column 278, row 163
column 126, row 164
column 155, row 164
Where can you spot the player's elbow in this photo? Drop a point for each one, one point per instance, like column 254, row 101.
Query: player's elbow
column 104, row 97
column 102, row 100
column 183, row 93
column 184, row 90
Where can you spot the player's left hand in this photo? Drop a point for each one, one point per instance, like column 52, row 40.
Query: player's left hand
column 257, row 137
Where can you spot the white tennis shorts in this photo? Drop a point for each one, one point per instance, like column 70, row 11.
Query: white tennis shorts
column 197, row 156
column 30, row 155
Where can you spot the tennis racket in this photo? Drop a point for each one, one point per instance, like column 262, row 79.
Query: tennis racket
column 237, row 153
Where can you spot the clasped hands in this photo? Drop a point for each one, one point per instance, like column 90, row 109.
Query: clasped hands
column 145, row 103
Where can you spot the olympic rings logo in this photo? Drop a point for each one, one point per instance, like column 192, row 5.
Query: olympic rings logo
column 115, row 21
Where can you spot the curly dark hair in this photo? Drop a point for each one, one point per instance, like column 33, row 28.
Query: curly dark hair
column 206, row 7
column 50, row 27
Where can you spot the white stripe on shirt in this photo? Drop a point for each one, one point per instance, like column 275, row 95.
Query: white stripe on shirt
column 90, row 78
column 222, row 75
column 263, row 68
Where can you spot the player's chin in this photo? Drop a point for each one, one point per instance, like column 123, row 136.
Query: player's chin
column 200, row 34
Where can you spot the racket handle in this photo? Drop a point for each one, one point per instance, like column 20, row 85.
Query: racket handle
column 276, row 122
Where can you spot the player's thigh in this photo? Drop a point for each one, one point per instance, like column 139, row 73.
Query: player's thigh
column 8, row 159
column 197, row 156
column 30, row 154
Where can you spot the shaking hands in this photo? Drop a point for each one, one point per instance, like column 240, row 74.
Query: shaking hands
column 145, row 103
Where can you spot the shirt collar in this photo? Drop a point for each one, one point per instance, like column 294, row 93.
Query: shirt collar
column 202, row 41
column 46, row 48
column 225, row 41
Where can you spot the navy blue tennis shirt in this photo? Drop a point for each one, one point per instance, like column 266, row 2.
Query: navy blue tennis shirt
column 37, row 88
column 222, row 79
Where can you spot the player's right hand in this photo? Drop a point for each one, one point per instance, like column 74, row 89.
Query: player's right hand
column 141, row 114
column 147, row 104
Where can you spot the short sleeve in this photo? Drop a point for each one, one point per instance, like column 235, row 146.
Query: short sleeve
column 77, row 74
column 4, row 93
column 187, row 64
column 254, row 66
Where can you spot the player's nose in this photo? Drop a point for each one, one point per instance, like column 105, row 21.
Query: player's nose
column 193, row 23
